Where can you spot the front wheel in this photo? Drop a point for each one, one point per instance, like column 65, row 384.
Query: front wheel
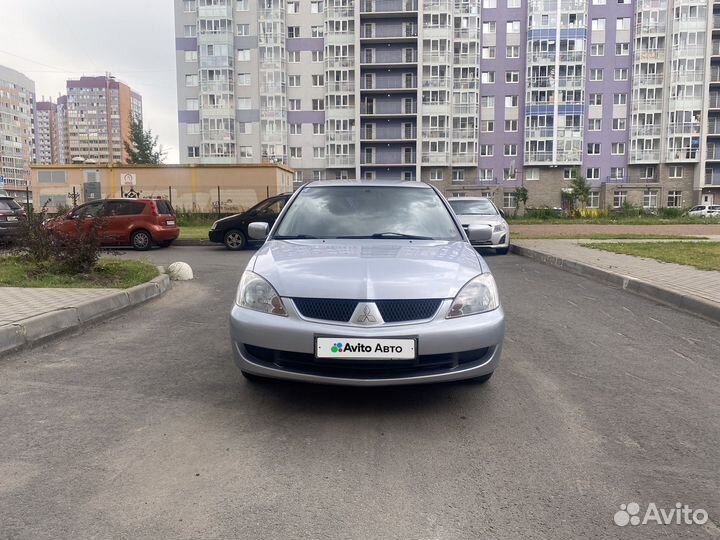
column 141, row 240
column 502, row 251
column 234, row 240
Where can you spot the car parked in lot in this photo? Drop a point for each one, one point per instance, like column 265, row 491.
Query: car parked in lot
column 367, row 283
column 11, row 213
column 233, row 230
column 140, row 223
column 481, row 210
column 705, row 210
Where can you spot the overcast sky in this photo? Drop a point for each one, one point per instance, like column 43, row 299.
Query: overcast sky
column 52, row 40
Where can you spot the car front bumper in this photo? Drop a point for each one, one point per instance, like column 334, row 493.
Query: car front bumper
column 217, row 236
column 499, row 239
column 448, row 349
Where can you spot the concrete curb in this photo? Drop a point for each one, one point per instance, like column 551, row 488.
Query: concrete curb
column 691, row 304
column 36, row 330
column 182, row 243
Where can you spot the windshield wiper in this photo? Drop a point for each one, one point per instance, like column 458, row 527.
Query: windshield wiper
column 295, row 237
column 389, row 235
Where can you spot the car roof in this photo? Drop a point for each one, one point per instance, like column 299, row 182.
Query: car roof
column 469, row 199
column 373, row 183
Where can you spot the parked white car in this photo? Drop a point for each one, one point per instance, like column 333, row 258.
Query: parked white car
column 482, row 211
column 705, row 210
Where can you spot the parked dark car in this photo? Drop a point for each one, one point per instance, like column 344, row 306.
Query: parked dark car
column 11, row 212
column 233, row 230
column 139, row 223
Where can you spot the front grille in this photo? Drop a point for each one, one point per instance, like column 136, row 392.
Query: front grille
column 392, row 311
column 424, row 364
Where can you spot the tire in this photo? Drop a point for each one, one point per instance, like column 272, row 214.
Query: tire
column 251, row 377
column 483, row 379
column 502, row 251
column 165, row 244
column 141, row 240
column 234, row 240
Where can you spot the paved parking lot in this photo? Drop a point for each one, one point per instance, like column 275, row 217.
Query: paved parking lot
column 141, row 427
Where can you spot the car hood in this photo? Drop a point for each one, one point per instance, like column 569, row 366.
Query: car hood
column 367, row 269
column 470, row 219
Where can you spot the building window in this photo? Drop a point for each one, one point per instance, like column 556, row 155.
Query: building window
column 617, row 173
column 509, row 200
column 594, row 124
column 650, row 199
column 595, row 99
column 193, row 129
column 294, row 57
column 594, row 199
column 243, row 79
column 593, row 149
column 599, row 2
column 513, row 4
column 293, row 7
column 622, row 49
column 510, row 150
column 294, row 81
column 674, row 199
column 648, row 173
column 192, row 104
column 190, row 6
column 511, row 101
column 620, row 99
column 458, row 175
column 511, row 126
column 487, row 102
column 487, row 77
column 318, row 80
column 245, row 151
column 317, row 7
column 486, row 174
column 241, row 5
column 244, row 128
column 489, row 4
column 487, row 126
column 512, row 77
column 243, row 29
column 318, row 129
column 512, row 51
column 293, row 32
column 509, row 174
column 618, row 149
column 598, row 24
column 486, row 150
column 436, row 175
column 191, row 80
column 295, row 129
column 488, row 53
column 488, row 27
column 316, row 31
column 621, row 74
column 318, row 152
column 191, row 56
column 675, row 171
column 568, row 173
column 318, row 104
column 619, row 199
column 317, row 57
column 294, row 104
column 243, row 55
column 619, row 124
column 622, row 23
column 532, row 173
column 512, row 27
column 597, row 49
column 244, row 103
column 190, row 30
column 318, row 175
column 596, row 74
column 593, row 173
column 295, row 151
column 193, row 151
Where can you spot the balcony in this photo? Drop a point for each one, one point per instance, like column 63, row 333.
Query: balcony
column 542, row 56
column 684, row 128
column 716, row 23
column 647, row 55
column 675, row 155
column 389, row 159
column 466, row 59
column 464, row 158
column 645, row 104
column 215, row 11
column 340, row 62
column 339, row 38
column 650, row 28
column 340, row 136
column 388, row 109
column 344, row 86
column 338, row 12
column 435, row 133
column 387, row 8
column 437, row 32
column 714, row 128
column 466, row 108
column 216, row 61
column 267, row 15
column 341, row 161
column 437, row 82
column 430, row 57
column 390, row 33
column 216, row 86
column 539, row 133
column 714, row 102
column 467, row 33
column 464, row 84
column 407, row 84
column 387, row 135
column 713, row 153
column 650, row 79
column 651, row 131
column 538, row 157
column 389, row 60
column 435, row 158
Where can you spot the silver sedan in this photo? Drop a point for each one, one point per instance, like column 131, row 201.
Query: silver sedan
column 367, row 283
column 481, row 210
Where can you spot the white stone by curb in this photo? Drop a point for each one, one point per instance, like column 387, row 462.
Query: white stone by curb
column 180, row 271
column 34, row 330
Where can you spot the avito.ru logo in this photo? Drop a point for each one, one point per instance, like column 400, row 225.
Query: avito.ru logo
column 680, row 515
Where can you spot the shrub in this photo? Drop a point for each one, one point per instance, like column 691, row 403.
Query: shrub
column 543, row 213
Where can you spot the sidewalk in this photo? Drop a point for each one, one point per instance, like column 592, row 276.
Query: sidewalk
column 32, row 315
column 684, row 287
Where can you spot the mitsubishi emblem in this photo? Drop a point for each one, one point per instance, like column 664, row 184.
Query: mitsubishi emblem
column 367, row 314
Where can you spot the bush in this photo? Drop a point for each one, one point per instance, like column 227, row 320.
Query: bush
column 671, row 213
column 75, row 253
column 543, row 213
column 188, row 219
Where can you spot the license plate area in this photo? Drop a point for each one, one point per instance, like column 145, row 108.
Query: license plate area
column 12, row 218
column 339, row 349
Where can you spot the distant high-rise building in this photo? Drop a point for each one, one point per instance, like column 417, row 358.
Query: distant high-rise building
column 98, row 112
column 17, row 102
column 475, row 96
column 61, row 130
column 46, row 133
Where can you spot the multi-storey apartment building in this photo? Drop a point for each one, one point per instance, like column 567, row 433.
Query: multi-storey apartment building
column 17, row 103
column 46, row 133
column 477, row 96
column 97, row 118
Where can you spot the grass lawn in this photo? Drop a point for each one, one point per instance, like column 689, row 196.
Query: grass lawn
column 111, row 272
column 194, row 232
column 614, row 220
column 602, row 236
column 702, row 255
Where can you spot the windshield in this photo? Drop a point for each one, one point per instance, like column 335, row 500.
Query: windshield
column 473, row 208
column 367, row 212
column 9, row 205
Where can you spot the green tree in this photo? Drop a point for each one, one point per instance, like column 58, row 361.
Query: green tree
column 580, row 189
column 521, row 196
column 142, row 147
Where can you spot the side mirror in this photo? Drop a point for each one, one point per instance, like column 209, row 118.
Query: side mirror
column 502, row 212
column 479, row 233
column 258, row 230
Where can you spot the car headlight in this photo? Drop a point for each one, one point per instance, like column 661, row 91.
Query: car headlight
column 479, row 295
column 499, row 227
column 214, row 226
column 256, row 293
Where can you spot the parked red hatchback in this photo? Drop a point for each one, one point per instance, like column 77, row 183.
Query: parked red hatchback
column 139, row 223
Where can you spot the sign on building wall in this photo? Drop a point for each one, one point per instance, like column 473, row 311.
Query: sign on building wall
column 128, row 179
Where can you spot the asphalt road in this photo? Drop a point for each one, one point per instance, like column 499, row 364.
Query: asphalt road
column 141, row 427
